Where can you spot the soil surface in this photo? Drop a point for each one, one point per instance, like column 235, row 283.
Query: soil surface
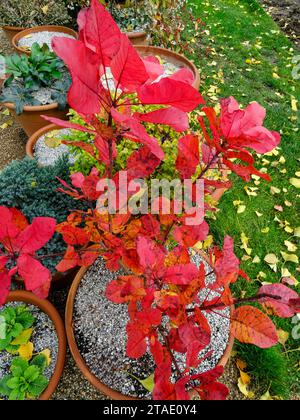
column 287, row 14
column 12, row 137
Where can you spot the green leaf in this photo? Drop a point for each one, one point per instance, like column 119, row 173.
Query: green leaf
column 40, row 361
column 4, row 389
column 13, row 383
column 18, row 366
column 38, row 386
column 31, row 373
column 147, row 383
column 23, row 338
column 17, row 395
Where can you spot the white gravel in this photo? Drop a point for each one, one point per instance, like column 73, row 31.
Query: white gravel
column 48, row 156
column 43, row 37
column 100, row 331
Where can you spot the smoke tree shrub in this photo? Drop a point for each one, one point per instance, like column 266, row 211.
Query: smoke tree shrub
column 162, row 286
column 19, row 242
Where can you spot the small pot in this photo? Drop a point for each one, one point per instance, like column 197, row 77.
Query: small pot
column 31, row 119
column 138, row 38
column 47, row 308
column 172, row 57
column 11, row 31
column 80, row 362
column 50, row 28
column 38, row 134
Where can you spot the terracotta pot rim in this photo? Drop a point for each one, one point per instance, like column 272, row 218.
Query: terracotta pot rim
column 136, row 34
column 179, row 57
column 35, row 136
column 13, row 28
column 47, row 307
column 80, row 362
column 28, row 108
column 54, row 28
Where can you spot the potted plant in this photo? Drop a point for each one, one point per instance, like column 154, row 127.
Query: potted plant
column 24, row 40
column 32, row 347
column 35, row 85
column 149, row 266
column 16, row 16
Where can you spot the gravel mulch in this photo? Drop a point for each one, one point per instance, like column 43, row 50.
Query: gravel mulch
column 43, row 37
column 287, row 14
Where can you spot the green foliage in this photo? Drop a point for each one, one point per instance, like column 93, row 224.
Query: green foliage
column 26, row 379
column 268, row 366
column 42, row 69
column 30, row 13
column 33, row 190
column 15, row 321
column 38, row 69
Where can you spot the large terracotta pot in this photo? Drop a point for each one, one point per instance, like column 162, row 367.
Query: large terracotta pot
column 31, row 119
column 50, row 28
column 138, row 38
column 80, row 362
column 11, row 31
column 38, row 134
column 47, row 308
column 172, row 57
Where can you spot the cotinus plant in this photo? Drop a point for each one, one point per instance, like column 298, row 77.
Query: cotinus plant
column 163, row 284
column 19, row 242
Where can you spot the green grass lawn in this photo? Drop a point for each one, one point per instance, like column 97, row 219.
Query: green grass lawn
column 244, row 54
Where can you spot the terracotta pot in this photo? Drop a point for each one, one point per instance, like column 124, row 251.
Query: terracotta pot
column 80, row 362
column 50, row 28
column 172, row 57
column 11, row 31
column 47, row 308
column 31, row 119
column 138, row 38
column 35, row 136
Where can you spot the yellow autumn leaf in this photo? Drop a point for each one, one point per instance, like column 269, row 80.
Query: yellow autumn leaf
column 241, row 365
column 26, row 351
column 290, row 257
column 5, row 112
column 245, row 378
column 266, row 396
column 256, row 260
column 297, row 174
column 274, row 190
column 23, row 338
column 275, row 75
column 244, row 389
column 283, row 336
column 295, row 182
column 265, row 230
column 272, row 261
column 285, row 272
column 241, row 209
column 290, row 246
column 45, row 9
column 47, row 354
column 297, row 231
column 294, row 104
column 258, row 214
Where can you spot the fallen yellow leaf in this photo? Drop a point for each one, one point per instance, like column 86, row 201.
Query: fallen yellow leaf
column 26, row 351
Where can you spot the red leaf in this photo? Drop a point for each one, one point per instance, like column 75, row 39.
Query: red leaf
column 188, row 156
column 36, row 235
column 73, row 235
column 67, row 124
column 153, row 68
column 150, row 254
column 173, row 117
column 227, row 265
column 125, row 289
column 136, row 342
column 141, row 163
column 175, row 341
column 34, row 274
column 279, row 307
column 181, row 274
column 127, row 67
column 84, row 68
column 170, row 92
column 136, row 132
column 69, row 261
column 188, row 236
column 183, row 75
column 195, row 339
column 101, row 33
column 252, row 326
column 5, row 281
